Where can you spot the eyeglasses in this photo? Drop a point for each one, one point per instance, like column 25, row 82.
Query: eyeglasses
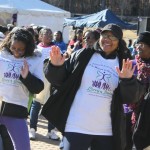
column 111, row 37
column 141, row 45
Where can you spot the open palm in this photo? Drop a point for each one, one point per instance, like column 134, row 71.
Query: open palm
column 57, row 59
column 127, row 69
column 25, row 69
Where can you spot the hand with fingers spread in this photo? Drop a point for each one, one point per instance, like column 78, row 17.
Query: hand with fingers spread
column 25, row 69
column 127, row 69
column 57, row 59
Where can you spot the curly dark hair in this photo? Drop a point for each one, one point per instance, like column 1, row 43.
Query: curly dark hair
column 22, row 35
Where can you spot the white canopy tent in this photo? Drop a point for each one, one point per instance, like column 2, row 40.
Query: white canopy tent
column 35, row 12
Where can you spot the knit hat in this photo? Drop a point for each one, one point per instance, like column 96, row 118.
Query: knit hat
column 115, row 29
column 144, row 37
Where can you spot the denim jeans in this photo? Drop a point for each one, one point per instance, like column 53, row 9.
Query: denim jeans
column 34, row 112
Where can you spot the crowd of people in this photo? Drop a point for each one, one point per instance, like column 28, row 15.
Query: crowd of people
column 91, row 89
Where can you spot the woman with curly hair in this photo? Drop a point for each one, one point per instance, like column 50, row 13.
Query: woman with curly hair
column 18, row 78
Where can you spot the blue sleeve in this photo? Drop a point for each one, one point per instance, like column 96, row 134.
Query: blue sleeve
column 63, row 47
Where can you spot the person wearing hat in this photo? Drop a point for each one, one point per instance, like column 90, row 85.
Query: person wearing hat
column 90, row 88
column 142, row 72
column 143, row 45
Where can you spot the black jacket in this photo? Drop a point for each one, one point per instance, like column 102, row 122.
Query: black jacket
column 141, row 133
column 67, row 79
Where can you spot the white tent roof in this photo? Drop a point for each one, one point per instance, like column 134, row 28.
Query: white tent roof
column 35, row 12
column 32, row 7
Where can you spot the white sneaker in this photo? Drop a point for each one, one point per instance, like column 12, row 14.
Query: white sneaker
column 61, row 144
column 32, row 134
column 53, row 135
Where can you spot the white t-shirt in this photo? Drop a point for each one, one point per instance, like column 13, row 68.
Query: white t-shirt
column 90, row 111
column 45, row 51
column 12, row 90
column 43, row 96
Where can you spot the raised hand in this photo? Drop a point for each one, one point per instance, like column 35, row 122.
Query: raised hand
column 25, row 69
column 127, row 69
column 57, row 59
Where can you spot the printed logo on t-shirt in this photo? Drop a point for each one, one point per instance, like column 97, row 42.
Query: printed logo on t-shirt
column 103, row 82
column 10, row 72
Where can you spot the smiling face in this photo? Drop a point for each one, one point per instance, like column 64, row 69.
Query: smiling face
column 143, row 50
column 108, row 42
column 89, row 39
column 17, row 48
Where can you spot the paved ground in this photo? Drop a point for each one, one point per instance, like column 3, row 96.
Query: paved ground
column 42, row 142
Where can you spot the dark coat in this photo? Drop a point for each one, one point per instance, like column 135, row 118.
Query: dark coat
column 141, row 133
column 68, row 78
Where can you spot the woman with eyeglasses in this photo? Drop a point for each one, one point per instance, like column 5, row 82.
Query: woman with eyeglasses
column 91, row 87
column 142, row 72
column 18, row 78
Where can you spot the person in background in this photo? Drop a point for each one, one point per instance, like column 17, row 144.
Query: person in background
column 85, row 39
column 4, row 30
column 45, row 37
column 58, row 40
column 20, row 77
column 37, row 34
column 91, row 87
column 130, row 43
column 134, row 50
column 30, row 29
column 10, row 27
column 90, row 38
column 142, row 61
column 76, row 42
column 44, row 47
